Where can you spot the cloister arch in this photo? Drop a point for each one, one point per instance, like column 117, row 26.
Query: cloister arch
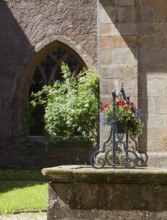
column 44, row 68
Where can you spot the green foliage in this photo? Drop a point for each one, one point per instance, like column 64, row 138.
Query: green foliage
column 22, row 195
column 71, row 106
column 22, row 190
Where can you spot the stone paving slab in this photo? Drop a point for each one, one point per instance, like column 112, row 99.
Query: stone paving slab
column 25, row 216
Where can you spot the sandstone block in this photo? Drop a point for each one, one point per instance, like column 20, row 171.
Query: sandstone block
column 106, row 42
column 152, row 41
column 153, row 160
column 162, row 162
column 143, row 56
column 130, row 14
column 161, row 105
column 125, row 2
column 145, row 14
column 124, row 56
column 127, row 29
column 155, row 2
column 105, row 29
column 107, row 14
column 155, row 121
column 160, row 13
column 118, row 41
column 147, row 104
column 106, row 56
column 145, row 28
column 111, row 71
column 107, row 85
column 158, row 56
column 104, row 3
column 155, row 87
column 160, row 28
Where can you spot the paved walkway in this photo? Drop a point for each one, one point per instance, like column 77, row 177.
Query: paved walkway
column 25, row 216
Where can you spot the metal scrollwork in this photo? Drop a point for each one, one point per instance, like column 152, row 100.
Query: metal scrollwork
column 120, row 149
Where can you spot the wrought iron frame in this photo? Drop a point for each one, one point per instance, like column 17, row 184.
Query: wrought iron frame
column 120, row 152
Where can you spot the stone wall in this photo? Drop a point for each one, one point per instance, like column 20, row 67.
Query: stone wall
column 152, row 43
column 118, row 50
column 29, row 30
column 36, row 154
column 26, row 28
column 133, row 50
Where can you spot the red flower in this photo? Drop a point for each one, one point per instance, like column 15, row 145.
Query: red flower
column 133, row 110
column 126, row 108
column 105, row 107
column 122, row 102
column 131, row 103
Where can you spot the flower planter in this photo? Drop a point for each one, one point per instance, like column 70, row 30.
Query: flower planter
column 122, row 126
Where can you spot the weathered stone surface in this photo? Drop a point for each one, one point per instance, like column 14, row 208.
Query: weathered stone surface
column 124, row 56
column 146, row 14
column 125, row 3
column 38, row 154
column 98, row 194
column 87, row 174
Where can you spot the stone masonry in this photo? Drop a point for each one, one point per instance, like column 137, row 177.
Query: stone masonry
column 26, row 28
column 29, row 30
column 118, row 50
column 133, row 50
column 81, row 192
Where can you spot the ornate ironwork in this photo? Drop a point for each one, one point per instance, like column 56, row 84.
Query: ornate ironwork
column 120, row 149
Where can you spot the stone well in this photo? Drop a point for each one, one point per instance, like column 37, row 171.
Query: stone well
column 82, row 192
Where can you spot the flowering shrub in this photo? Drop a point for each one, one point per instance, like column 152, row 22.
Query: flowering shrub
column 126, row 113
column 71, row 105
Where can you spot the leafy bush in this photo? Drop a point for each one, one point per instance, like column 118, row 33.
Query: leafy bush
column 71, row 105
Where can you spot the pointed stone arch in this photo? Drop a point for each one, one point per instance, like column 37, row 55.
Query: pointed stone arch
column 44, row 68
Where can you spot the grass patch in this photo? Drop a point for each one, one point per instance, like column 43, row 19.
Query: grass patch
column 22, row 190
column 18, row 196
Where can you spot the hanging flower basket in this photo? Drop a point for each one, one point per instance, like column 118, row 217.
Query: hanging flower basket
column 127, row 117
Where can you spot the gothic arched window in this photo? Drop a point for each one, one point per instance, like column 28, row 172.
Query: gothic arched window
column 46, row 73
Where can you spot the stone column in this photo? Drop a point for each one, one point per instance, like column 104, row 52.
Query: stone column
column 152, row 25
column 118, row 50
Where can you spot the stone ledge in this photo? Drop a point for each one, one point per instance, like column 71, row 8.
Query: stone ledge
column 87, row 174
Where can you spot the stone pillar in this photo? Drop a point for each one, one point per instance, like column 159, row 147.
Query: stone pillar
column 133, row 50
column 118, row 50
column 152, row 30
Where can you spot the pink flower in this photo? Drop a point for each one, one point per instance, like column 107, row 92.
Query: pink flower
column 105, row 107
column 131, row 103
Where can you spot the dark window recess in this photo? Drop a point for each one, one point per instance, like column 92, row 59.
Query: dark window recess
column 46, row 73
